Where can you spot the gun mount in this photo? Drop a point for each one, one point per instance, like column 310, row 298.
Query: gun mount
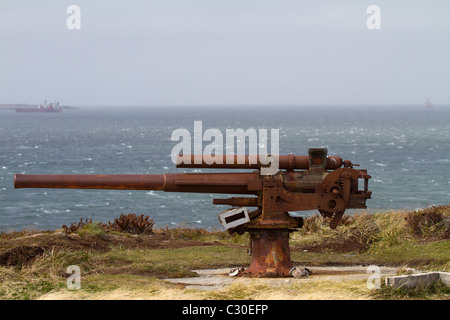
column 313, row 182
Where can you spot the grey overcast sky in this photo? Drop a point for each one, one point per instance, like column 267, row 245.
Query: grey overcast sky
column 224, row 52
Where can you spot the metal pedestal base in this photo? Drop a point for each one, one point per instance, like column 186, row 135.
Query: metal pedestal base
column 270, row 253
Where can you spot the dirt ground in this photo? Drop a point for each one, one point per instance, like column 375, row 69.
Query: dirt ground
column 21, row 250
column 325, row 282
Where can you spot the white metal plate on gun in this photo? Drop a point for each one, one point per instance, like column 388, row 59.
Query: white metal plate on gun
column 234, row 217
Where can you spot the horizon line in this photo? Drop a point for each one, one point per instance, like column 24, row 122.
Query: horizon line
column 260, row 105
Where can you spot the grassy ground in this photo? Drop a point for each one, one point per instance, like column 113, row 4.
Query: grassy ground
column 117, row 265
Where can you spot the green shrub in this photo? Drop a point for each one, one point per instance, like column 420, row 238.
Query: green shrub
column 94, row 229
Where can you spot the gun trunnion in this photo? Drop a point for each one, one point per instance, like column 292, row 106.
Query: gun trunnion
column 313, row 182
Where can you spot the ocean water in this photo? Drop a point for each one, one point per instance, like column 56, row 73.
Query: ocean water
column 406, row 150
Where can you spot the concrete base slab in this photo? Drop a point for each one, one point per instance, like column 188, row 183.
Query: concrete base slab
column 418, row 279
column 213, row 279
column 445, row 278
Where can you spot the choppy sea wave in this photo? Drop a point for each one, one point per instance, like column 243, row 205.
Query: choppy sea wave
column 406, row 150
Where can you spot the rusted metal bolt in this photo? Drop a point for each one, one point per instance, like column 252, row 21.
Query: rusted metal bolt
column 335, row 191
column 346, row 175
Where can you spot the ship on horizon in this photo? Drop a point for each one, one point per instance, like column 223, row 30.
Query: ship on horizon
column 428, row 104
column 52, row 107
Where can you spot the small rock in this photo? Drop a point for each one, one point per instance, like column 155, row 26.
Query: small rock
column 299, row 272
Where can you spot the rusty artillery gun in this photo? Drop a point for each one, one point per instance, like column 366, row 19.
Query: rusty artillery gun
column 316, row 181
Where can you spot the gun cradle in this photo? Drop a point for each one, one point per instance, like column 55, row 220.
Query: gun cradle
column 329, row 192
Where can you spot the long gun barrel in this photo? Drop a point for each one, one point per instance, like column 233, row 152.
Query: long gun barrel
column 231, row 183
